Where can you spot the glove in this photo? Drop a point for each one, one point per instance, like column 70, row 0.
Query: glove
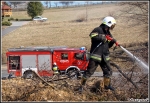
column 117, row 44
column 112, row 40
column 108, row 37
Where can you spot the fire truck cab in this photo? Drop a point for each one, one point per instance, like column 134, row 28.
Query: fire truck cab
column 22, row 61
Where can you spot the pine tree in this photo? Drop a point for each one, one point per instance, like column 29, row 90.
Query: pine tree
column 35, row 9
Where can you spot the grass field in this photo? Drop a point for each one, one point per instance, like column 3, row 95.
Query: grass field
column 62, row 30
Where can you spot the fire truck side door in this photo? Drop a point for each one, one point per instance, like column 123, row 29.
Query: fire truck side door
column 79, row 60
column 29, row 62
column 62, row 59
column 44, row 62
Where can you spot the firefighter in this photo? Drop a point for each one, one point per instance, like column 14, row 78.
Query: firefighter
column 55, row 68
column 14, row 64
column 99, row 52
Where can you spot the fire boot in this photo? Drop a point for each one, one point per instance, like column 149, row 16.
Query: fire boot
column 107, row 84
column 83, row 81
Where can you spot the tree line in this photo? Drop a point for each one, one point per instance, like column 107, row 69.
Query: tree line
column 48, row 4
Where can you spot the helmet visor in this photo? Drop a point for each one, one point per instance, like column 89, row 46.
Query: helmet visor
column 112, row 26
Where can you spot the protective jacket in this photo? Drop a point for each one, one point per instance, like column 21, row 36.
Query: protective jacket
column 97, row 38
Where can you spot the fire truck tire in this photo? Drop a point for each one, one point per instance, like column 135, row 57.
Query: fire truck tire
column 28, row 74
column 73, row 73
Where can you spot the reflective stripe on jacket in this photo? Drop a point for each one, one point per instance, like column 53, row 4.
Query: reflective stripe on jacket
column 55, row 68
column 96, row 38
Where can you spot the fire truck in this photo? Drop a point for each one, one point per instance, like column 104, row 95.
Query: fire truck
column 24, row 60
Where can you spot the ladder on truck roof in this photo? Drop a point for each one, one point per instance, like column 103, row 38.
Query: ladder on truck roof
column 42, row 48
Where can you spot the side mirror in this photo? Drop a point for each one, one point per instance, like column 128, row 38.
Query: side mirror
column 87, row 55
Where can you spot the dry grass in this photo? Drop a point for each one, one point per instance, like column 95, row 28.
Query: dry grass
column 4, row 27
column 18, row 89
column 61, row 30
column 67, row 14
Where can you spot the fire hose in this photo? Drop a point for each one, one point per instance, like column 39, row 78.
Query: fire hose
column 140, row 63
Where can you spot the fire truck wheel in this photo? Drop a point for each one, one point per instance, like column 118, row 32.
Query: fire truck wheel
column 73, row 73
column 28, row 75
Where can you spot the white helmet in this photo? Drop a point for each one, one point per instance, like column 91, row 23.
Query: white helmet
column 109, row 21
column 55, row 63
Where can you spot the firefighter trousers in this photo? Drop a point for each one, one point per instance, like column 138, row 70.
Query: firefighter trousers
column 104, row 64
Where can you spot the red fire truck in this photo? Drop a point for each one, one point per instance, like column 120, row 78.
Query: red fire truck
column 22, row 61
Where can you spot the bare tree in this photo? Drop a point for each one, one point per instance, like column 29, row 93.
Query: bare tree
column 6, row 3
column 56, row 3
column 102, row 2
column 133, row 79
column 46, row 3
column 87, row 2
column 65, row 3
column 15, row 4
column 62, row 2
column 49, row 4
column 71, row 2
column 137, row 12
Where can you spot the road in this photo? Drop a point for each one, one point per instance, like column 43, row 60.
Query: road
column 15, row 25
column 5, row 74
column 4, row 71
column 99, row 74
